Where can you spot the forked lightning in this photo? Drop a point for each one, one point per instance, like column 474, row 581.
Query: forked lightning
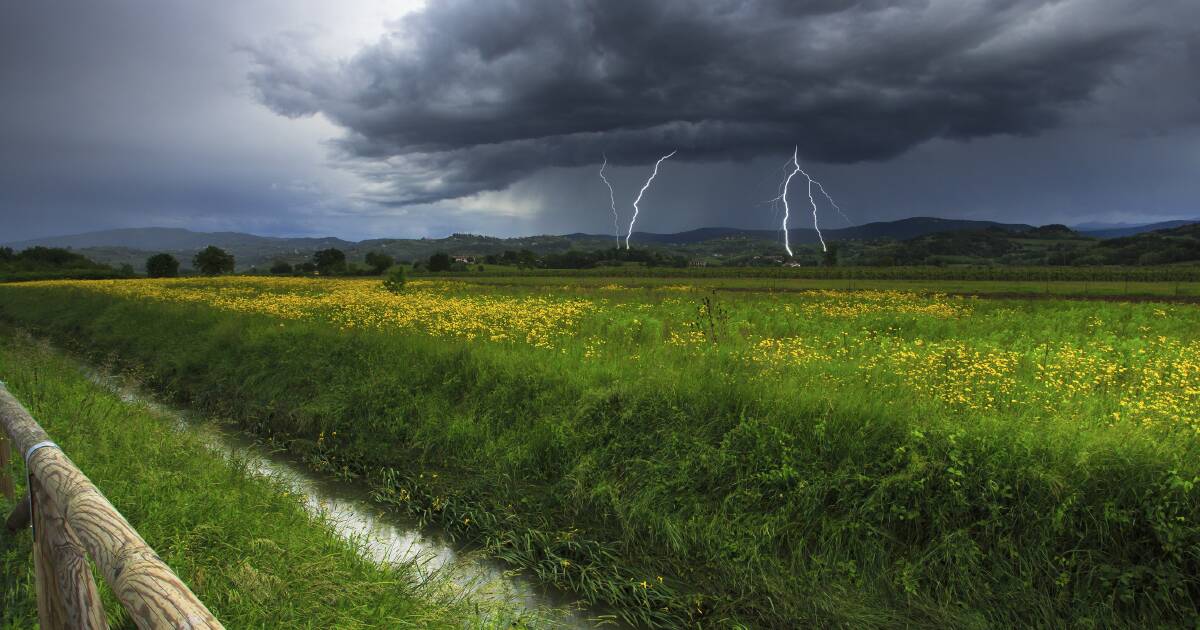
column 639, row 197
column 812, row 201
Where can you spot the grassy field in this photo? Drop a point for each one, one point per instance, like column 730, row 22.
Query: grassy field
column 872, row 458
column 1020, row 289
column 247, row 548
column 1128, row 276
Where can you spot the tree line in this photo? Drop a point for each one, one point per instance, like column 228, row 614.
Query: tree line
column 48, row 263
column 214, row 261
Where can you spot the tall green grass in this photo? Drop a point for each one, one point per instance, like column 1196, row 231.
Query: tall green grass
column 247, row 548
column 689, row 489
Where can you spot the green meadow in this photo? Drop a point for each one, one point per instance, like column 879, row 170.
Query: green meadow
column 705, row 458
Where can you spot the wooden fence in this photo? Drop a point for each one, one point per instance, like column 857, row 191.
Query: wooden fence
column 72, row 521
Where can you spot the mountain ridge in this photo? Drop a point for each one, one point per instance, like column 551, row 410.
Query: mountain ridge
column 133, row 245
column 1119, row 230
column 174, row 238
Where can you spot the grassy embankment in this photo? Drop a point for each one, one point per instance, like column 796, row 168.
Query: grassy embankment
column 246, row 547
column 869, row 459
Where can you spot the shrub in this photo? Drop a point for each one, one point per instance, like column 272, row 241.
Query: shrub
column 395, row 280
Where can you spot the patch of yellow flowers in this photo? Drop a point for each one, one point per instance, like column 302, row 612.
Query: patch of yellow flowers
column 856, row 304
column 425, row 306
column 958, row 375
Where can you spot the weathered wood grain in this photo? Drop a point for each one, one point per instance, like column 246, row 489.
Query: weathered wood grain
column 152, row 594
column 76, row 597
column 50, row 607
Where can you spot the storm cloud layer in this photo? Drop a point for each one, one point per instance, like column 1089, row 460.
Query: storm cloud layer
column 407, row 118
column 465, row 97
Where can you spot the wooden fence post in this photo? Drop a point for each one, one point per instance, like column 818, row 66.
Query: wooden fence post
column 62, row 568
column 70, row 513
column 50, row 607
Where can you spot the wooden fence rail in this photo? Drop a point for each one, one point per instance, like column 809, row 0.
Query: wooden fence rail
column 72, row 521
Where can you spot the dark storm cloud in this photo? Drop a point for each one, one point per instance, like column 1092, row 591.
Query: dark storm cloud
column 468, row 97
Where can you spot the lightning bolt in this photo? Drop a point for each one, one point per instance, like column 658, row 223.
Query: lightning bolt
column 787, row 211
column 639, row 197
column 811, row 200
column 613, row 201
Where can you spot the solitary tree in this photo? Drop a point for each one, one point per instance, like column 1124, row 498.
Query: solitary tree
column 162, row 266
column 379, row 262
column 440, row 262
column 281, row 267
column 213, row 261
column 329, row 260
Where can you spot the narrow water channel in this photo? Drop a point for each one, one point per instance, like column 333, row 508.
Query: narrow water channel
column 384, row 536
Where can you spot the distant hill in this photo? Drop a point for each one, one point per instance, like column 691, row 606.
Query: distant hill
column 918, row 226
column 175, row 239
column 134, row 245
column 916, row 240
column 1160, row 247
column 1118, row 230
column 898, row 230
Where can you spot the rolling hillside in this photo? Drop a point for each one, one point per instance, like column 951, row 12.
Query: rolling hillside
column 916, row 240
column 134, row 245
column 1118, row 230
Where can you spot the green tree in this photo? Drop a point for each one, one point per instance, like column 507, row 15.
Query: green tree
column 526, row 258
column 440, row 261
column 280, row 267
column 162, row 266
column 395, row 280
column 330, row 261
column 213, row 261
column 379, row 262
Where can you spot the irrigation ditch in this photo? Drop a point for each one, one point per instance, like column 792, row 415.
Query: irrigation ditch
column 384, row 536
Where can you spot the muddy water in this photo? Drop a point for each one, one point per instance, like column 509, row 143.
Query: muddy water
column 383, row 536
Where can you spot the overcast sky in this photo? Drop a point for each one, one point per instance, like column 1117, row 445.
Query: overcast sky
column 365, row 119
